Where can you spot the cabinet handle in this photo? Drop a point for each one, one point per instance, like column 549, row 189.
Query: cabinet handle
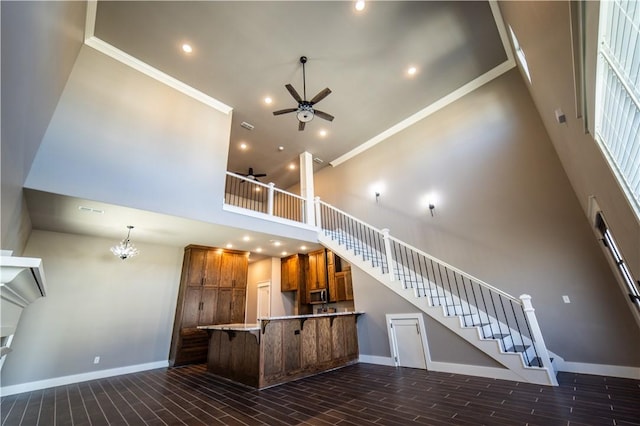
column 202, row 281
column 200, row 306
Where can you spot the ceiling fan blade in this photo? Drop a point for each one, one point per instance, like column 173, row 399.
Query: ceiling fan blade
column 323, row 115
column 293, row 92
column 259, row 175
column 320, row 96
column 284, row 111
column 301, row 125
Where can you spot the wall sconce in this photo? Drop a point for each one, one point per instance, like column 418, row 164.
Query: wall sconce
column 431, row 207
column 377, row 196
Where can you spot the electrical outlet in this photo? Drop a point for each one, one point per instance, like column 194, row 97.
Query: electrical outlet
column 565, row 299
column 96, row 360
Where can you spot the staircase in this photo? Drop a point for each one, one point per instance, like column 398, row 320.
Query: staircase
column 500, row 325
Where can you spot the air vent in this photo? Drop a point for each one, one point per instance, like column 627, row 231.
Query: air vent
column 318, row 160
column 247, row 125
column 90, row 210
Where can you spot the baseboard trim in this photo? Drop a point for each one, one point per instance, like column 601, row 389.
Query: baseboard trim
column 475, row 370
column 77, row 378
column 600, row 369
column 449, row 367
column 379, row 360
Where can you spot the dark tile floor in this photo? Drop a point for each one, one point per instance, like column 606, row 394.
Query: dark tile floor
column 356, row 395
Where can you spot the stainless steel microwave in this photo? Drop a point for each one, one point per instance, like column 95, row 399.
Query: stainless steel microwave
column 318, row 296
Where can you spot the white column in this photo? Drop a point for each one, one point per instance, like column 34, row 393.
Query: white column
column 306, row 186
column 270, row 199
column 318, row 216
column 538, row 340
column 387, row 249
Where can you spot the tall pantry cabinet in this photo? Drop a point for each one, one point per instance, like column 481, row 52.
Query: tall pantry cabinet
column 212, row 291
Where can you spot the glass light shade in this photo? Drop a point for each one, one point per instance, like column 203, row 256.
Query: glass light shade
column 125, row 249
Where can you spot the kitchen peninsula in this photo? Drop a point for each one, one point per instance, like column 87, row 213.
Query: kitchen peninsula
column 280, row 349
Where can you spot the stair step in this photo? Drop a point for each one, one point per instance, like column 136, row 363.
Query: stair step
column 498, row 336
column 518, row 348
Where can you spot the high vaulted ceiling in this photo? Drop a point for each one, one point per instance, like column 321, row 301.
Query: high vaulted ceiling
column 246, row 51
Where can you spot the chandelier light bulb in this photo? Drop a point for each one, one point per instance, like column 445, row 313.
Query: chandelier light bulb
column 125, row 249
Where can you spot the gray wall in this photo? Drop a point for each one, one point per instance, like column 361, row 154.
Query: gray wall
column 121, row 137
column 544, row 33
column 97, row 305
column 506, row 213
column 40, row 42
column 376, row 301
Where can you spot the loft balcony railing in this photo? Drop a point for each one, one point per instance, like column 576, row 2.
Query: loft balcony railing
column 250, row 194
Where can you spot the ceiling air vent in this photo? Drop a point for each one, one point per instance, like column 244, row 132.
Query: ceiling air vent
column 318, row 160
column 247, row 125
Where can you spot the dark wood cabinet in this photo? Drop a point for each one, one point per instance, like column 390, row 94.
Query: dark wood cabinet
column 292, row 272
column 212, row 291
column 316, row 272
column 344, row 287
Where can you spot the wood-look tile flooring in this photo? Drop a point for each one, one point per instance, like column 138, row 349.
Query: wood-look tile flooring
column 361, row 394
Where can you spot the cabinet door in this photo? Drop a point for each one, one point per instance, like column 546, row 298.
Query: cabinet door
column 240, row 271
column 196, row 266
column 223, row 310
column 227, row 266
column 348, row 286
column 238, row 305
column 290, row 272
column 212, row 268
column 208, row 306
column 191, row 307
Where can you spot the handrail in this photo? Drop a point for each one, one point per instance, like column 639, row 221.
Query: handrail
column 497, row 314
column 290, row 194
column 422, row 253
column 454, row 269
column 350, row 217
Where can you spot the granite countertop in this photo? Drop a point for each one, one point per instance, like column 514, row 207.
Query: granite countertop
column 231, row 327
column 256, row 326
column 324, row 314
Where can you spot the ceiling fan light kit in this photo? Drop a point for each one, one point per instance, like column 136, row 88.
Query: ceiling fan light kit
column 305, row 110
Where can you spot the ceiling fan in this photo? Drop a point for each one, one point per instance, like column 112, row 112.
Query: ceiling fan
column 305, row 110
column 251, row 175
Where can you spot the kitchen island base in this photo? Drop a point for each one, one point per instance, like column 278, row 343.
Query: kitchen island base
column 279, row 350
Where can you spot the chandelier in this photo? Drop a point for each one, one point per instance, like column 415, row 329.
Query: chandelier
column 125, row 249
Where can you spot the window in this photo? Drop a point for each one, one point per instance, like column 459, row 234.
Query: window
column 610, row 244
column 617, row 125
column 520, row 54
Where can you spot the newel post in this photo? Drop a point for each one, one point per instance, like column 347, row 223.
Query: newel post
column 316, row 203
column 387, row 250
column 270, row 199
column 538, row 340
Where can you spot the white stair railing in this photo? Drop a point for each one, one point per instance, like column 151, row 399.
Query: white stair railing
column 497, row 314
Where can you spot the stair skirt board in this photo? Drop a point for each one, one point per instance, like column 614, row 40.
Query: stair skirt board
column 513, row 361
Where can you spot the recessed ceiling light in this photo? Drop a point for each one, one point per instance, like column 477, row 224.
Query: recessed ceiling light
column 360, row 5
column 412, row 70
column 275, row 243
column 281, row 148
column 284, row 253
column 323, row 133
column 186, row 48
column 303, row 247
column 243, row 146
column 246, row 238
column 229, row 245
column 292, row 166
column 259, row 250
column 268, row 100
column 258, row 189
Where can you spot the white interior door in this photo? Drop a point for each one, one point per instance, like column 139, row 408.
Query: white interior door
column 407, row 343
column 264, row 300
